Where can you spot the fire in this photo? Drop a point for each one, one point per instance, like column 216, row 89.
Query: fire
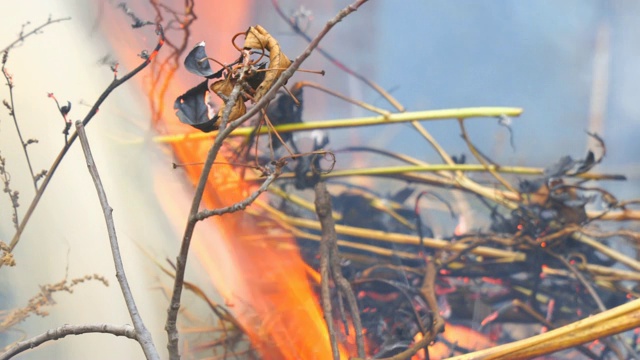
column 265, row 284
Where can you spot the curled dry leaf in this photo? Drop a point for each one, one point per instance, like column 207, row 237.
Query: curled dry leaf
column 258, row 38
column 192, row 107
column 224, row 87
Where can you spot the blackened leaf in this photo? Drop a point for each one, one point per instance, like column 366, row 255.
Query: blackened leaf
column 192, row 109
column 65, row 109
column 561, row 167
column 587, row 163
column 462, row 159
column 197, row 63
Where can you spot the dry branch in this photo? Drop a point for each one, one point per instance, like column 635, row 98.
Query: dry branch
column 65, row 330
column 143, row 335
column 37, row 30
column 330, row 268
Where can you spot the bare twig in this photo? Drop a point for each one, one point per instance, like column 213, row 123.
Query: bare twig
column 12, row 112
column 35, row 31
column 144, row 337
column 65, row 330
column 92, row 112
column 242, row 204
column 172, row 312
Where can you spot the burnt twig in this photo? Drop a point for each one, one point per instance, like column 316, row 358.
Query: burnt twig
column 330, row 265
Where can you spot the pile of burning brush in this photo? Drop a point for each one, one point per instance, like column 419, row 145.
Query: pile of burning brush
column 544, row 262
column 389, row 289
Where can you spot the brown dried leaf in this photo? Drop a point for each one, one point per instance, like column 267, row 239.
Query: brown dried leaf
column 224, row 87
column 258, row 38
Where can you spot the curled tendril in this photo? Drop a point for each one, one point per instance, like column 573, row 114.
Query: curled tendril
column 226, row 67
column 578, row 257
column 326, row 155
column 262, row 48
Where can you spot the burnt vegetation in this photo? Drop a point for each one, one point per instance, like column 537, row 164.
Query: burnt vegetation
column 395, row 269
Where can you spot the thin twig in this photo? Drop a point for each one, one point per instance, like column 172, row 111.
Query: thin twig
column 241, row 205
column 92, row 112
column 12, row 111
column 482, row 160
column 144, row 337
column 363, row 105
column 65, row 330
column 22, row 36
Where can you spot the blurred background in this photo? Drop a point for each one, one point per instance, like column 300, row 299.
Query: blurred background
column 571, row 65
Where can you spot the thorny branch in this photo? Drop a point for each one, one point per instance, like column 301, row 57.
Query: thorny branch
column 92, row 112
column 143, row 335
column 66, row 330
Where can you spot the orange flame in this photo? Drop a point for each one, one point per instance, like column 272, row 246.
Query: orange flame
column 264, row 283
